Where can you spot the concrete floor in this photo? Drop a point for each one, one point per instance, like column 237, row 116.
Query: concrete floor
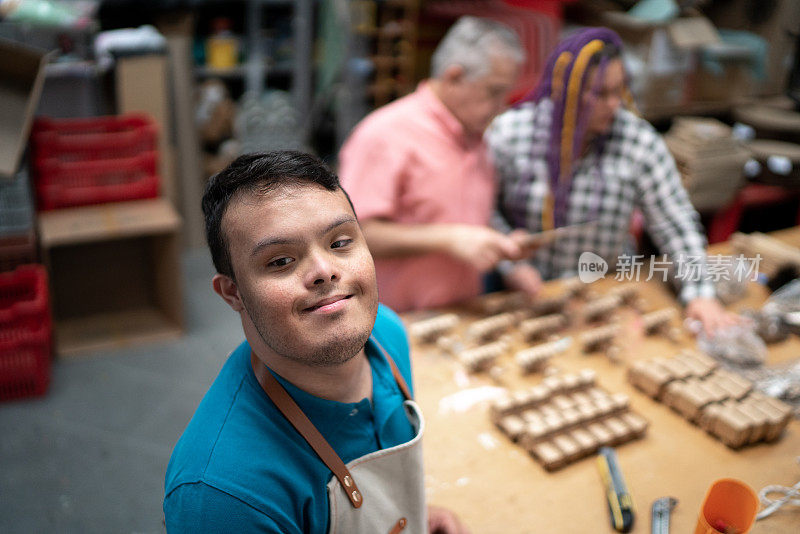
column 90, row 456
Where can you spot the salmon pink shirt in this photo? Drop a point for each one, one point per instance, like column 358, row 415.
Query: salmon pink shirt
column 411, row 162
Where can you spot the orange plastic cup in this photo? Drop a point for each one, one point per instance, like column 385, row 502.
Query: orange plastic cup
column 730, row 506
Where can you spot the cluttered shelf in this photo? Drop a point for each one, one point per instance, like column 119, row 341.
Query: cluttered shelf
column 671, row 457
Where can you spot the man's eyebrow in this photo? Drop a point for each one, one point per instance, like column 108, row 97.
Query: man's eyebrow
column 270, row 241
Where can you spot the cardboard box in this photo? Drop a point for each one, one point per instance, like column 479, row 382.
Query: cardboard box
column 114, row 274
column 21, row 79
column 142, row 85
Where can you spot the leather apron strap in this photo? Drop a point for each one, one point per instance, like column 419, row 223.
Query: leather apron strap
column 300, row 421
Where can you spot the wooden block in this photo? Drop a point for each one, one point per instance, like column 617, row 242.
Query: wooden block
column 512, row 426
column 568, row 446
column 597, row 394
column 736, row 386
column 502, row 407
column 599, row 338
column 588, row 412
column 700, row 364
column 562, row 402
column 717, row 392
column 538, row 327
column 532, row 414
column 601, row 308
column 732, row 427
column 554, row 422
column 491, row 327
column 677, row 368
column 429, row 329
column 587, row 377
column 618, row 429
column 671, row 392
column 571, row 417
column 481, row 358
column 601, row 433
column 620, row 401
column 553, row 383
column 536, row 431
column 657, row 320
column 759, row 420
column 635, row 422
column 584, row 439
column 778, row 414
column 649, row 377
column 708, row 417
column 690, row 398
column 548, row 455
column 580, row 397
column 571, row 382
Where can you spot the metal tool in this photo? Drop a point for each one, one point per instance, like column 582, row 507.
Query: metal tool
column 660, row 517
column 620, row 504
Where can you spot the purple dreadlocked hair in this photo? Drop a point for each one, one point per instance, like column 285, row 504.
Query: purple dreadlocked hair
column 563, row 82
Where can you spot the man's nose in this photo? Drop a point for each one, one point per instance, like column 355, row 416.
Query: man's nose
column 322, row 268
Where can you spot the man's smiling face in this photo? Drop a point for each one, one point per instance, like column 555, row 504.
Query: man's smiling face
column 304, row 274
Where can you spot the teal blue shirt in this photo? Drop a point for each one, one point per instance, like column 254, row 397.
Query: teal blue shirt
column 241, row 467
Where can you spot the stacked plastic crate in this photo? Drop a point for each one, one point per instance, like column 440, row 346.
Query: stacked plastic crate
column 79, row 162
column 25, row 324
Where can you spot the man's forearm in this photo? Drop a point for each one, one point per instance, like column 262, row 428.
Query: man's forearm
column 387, row 239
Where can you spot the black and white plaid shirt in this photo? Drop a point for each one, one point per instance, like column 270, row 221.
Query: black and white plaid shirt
column 637, row 171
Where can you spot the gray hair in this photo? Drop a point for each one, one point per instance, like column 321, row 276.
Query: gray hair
column 471, row 42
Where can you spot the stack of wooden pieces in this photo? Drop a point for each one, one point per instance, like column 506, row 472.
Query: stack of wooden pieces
column 711, row 162
column 723, row 403
column 566, row 418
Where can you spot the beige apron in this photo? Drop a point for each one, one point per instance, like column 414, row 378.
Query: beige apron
column 383, row 491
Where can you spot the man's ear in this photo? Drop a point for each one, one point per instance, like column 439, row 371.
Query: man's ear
column 453, row 74
column 226, row 288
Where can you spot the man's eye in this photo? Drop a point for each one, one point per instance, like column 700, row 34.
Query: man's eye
column 341, row 243
column 280, row 262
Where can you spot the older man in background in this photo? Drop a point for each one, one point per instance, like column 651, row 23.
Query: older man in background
column 420, row 177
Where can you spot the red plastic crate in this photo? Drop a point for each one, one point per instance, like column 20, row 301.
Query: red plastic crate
column 25, row 332
column 79, row 183
column 25, row 364
column 112, row 137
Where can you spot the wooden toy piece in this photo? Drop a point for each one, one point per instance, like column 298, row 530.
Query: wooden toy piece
column 601, row 433
column 731, row 426
column 548, row 455
column 708, row 417
column 620, row 431
column 677, row 368
column 491, row 327
column 598, row 338
column 584, row 439
column 548, row 306
column 600, row 308
column 429, row 329
column 658, row 321
column 499, row 302
column 778, row 414
column 481, row 358
column 587, row 377
column 758, row 419
column 736, row 386
column 535, row 358
column 512, row 426
column 538, row 327
column 628, row 293
column 688, row 398
column 568, row 446
column 536, row 430
column 636, row 423
column 573, row 287
column 649, row 377
column 718, row 393
column 699, row 364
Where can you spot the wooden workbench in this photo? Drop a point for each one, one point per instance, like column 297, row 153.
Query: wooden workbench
column 496, row 487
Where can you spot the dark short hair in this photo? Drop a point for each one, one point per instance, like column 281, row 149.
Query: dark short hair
column 257, row 173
